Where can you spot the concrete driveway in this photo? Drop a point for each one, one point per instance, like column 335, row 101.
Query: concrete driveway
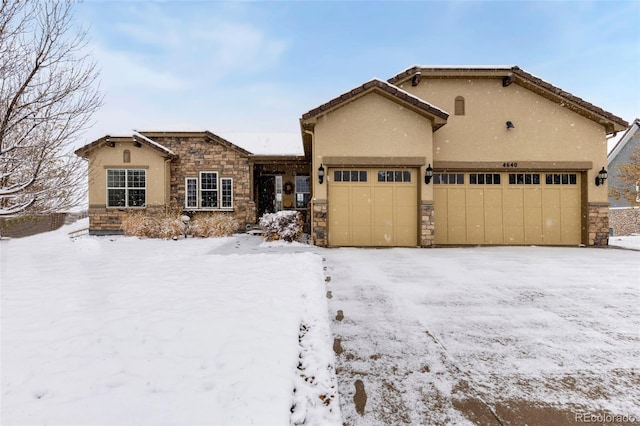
column 506, row 335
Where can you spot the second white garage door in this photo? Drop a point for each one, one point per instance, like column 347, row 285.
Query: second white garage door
column 507, row 208
column 372, row 207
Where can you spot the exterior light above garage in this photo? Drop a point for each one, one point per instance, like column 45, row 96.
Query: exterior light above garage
column 602, row 176
column 321, row 174
column 428, row 174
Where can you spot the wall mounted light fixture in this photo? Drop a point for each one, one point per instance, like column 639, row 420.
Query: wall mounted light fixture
column 320, row 174
column 602, row 176
column 510, row 125
column 428, row 174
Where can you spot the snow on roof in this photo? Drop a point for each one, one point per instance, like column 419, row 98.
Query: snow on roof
column 274, row 143
column 137, row 134
column 621, row 141
column 410, row 95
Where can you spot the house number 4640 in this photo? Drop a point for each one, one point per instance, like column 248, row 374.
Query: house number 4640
column 510, row 165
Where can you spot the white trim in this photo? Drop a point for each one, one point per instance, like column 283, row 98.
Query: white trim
column 186, row 193
column 216, row 190
column 125, row 187
column 152, row 142
column 222, row 206
column 631, row 131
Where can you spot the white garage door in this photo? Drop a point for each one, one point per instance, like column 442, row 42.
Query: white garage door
column 507, row 208
column 373, row 207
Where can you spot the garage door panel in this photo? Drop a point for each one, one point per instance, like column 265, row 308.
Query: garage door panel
column 360, row 206
column 457, row 208
column 441, row 216
column 514, row 208
column 379, row 209
column 551, row 213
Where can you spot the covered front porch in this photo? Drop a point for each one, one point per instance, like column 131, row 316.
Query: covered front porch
column 281, row 182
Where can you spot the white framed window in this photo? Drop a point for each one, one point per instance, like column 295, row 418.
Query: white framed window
column 303, row 191
column 226, row 193
column 126, row 188
column 208, row 191
column 191, row 193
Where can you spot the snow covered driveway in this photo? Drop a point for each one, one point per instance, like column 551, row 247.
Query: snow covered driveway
column 519, row 334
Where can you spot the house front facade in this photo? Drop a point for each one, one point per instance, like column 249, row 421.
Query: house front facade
column 433, row 156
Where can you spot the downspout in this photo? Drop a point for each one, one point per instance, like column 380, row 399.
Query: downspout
column 313, row 183
column 167, row 183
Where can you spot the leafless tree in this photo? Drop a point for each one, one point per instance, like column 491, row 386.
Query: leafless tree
column 49, row 90
column 627, row 186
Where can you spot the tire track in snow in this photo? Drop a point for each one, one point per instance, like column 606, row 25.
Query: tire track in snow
column 406, row 372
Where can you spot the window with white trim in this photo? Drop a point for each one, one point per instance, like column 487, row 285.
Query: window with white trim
column 126, row 187
column 226, row 188
column 303, row 191
column 208, row 191
column 191, row 193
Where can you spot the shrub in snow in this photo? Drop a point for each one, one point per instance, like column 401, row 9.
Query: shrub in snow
column 284, row 225
column 165, row 225
column 213, row 225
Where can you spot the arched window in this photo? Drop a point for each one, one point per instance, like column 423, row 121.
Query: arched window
column 126, row 156
column 459, row 107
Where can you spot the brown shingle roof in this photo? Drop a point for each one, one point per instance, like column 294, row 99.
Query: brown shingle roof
column 525, row 79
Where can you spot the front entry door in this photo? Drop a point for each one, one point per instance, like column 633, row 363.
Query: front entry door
column 266, row 195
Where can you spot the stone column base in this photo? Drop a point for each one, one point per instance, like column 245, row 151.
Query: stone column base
column 319, row 224
column 427, row 225
column 598, row 225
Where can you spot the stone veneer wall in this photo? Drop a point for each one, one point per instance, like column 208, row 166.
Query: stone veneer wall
column 197, row 154
column 427, row 225
column 319, row 224
column 625, row 220
column 109, row 221
column 598, row 225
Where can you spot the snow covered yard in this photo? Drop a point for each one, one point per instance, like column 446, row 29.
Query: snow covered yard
column 116, row 330
column 503, row 335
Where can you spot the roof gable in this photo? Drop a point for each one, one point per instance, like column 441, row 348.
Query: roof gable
column 514, row 74
column 136, row 139
column 207, row 135
column 435, row 114
column 632, row 132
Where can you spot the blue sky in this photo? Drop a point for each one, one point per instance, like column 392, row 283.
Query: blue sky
column 258, row 66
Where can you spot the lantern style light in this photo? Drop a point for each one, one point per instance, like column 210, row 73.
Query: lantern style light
column 602, row 176
column 428, row 174
column 321, row 174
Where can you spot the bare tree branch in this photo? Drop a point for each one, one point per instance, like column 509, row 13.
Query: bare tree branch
column 49, row 90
